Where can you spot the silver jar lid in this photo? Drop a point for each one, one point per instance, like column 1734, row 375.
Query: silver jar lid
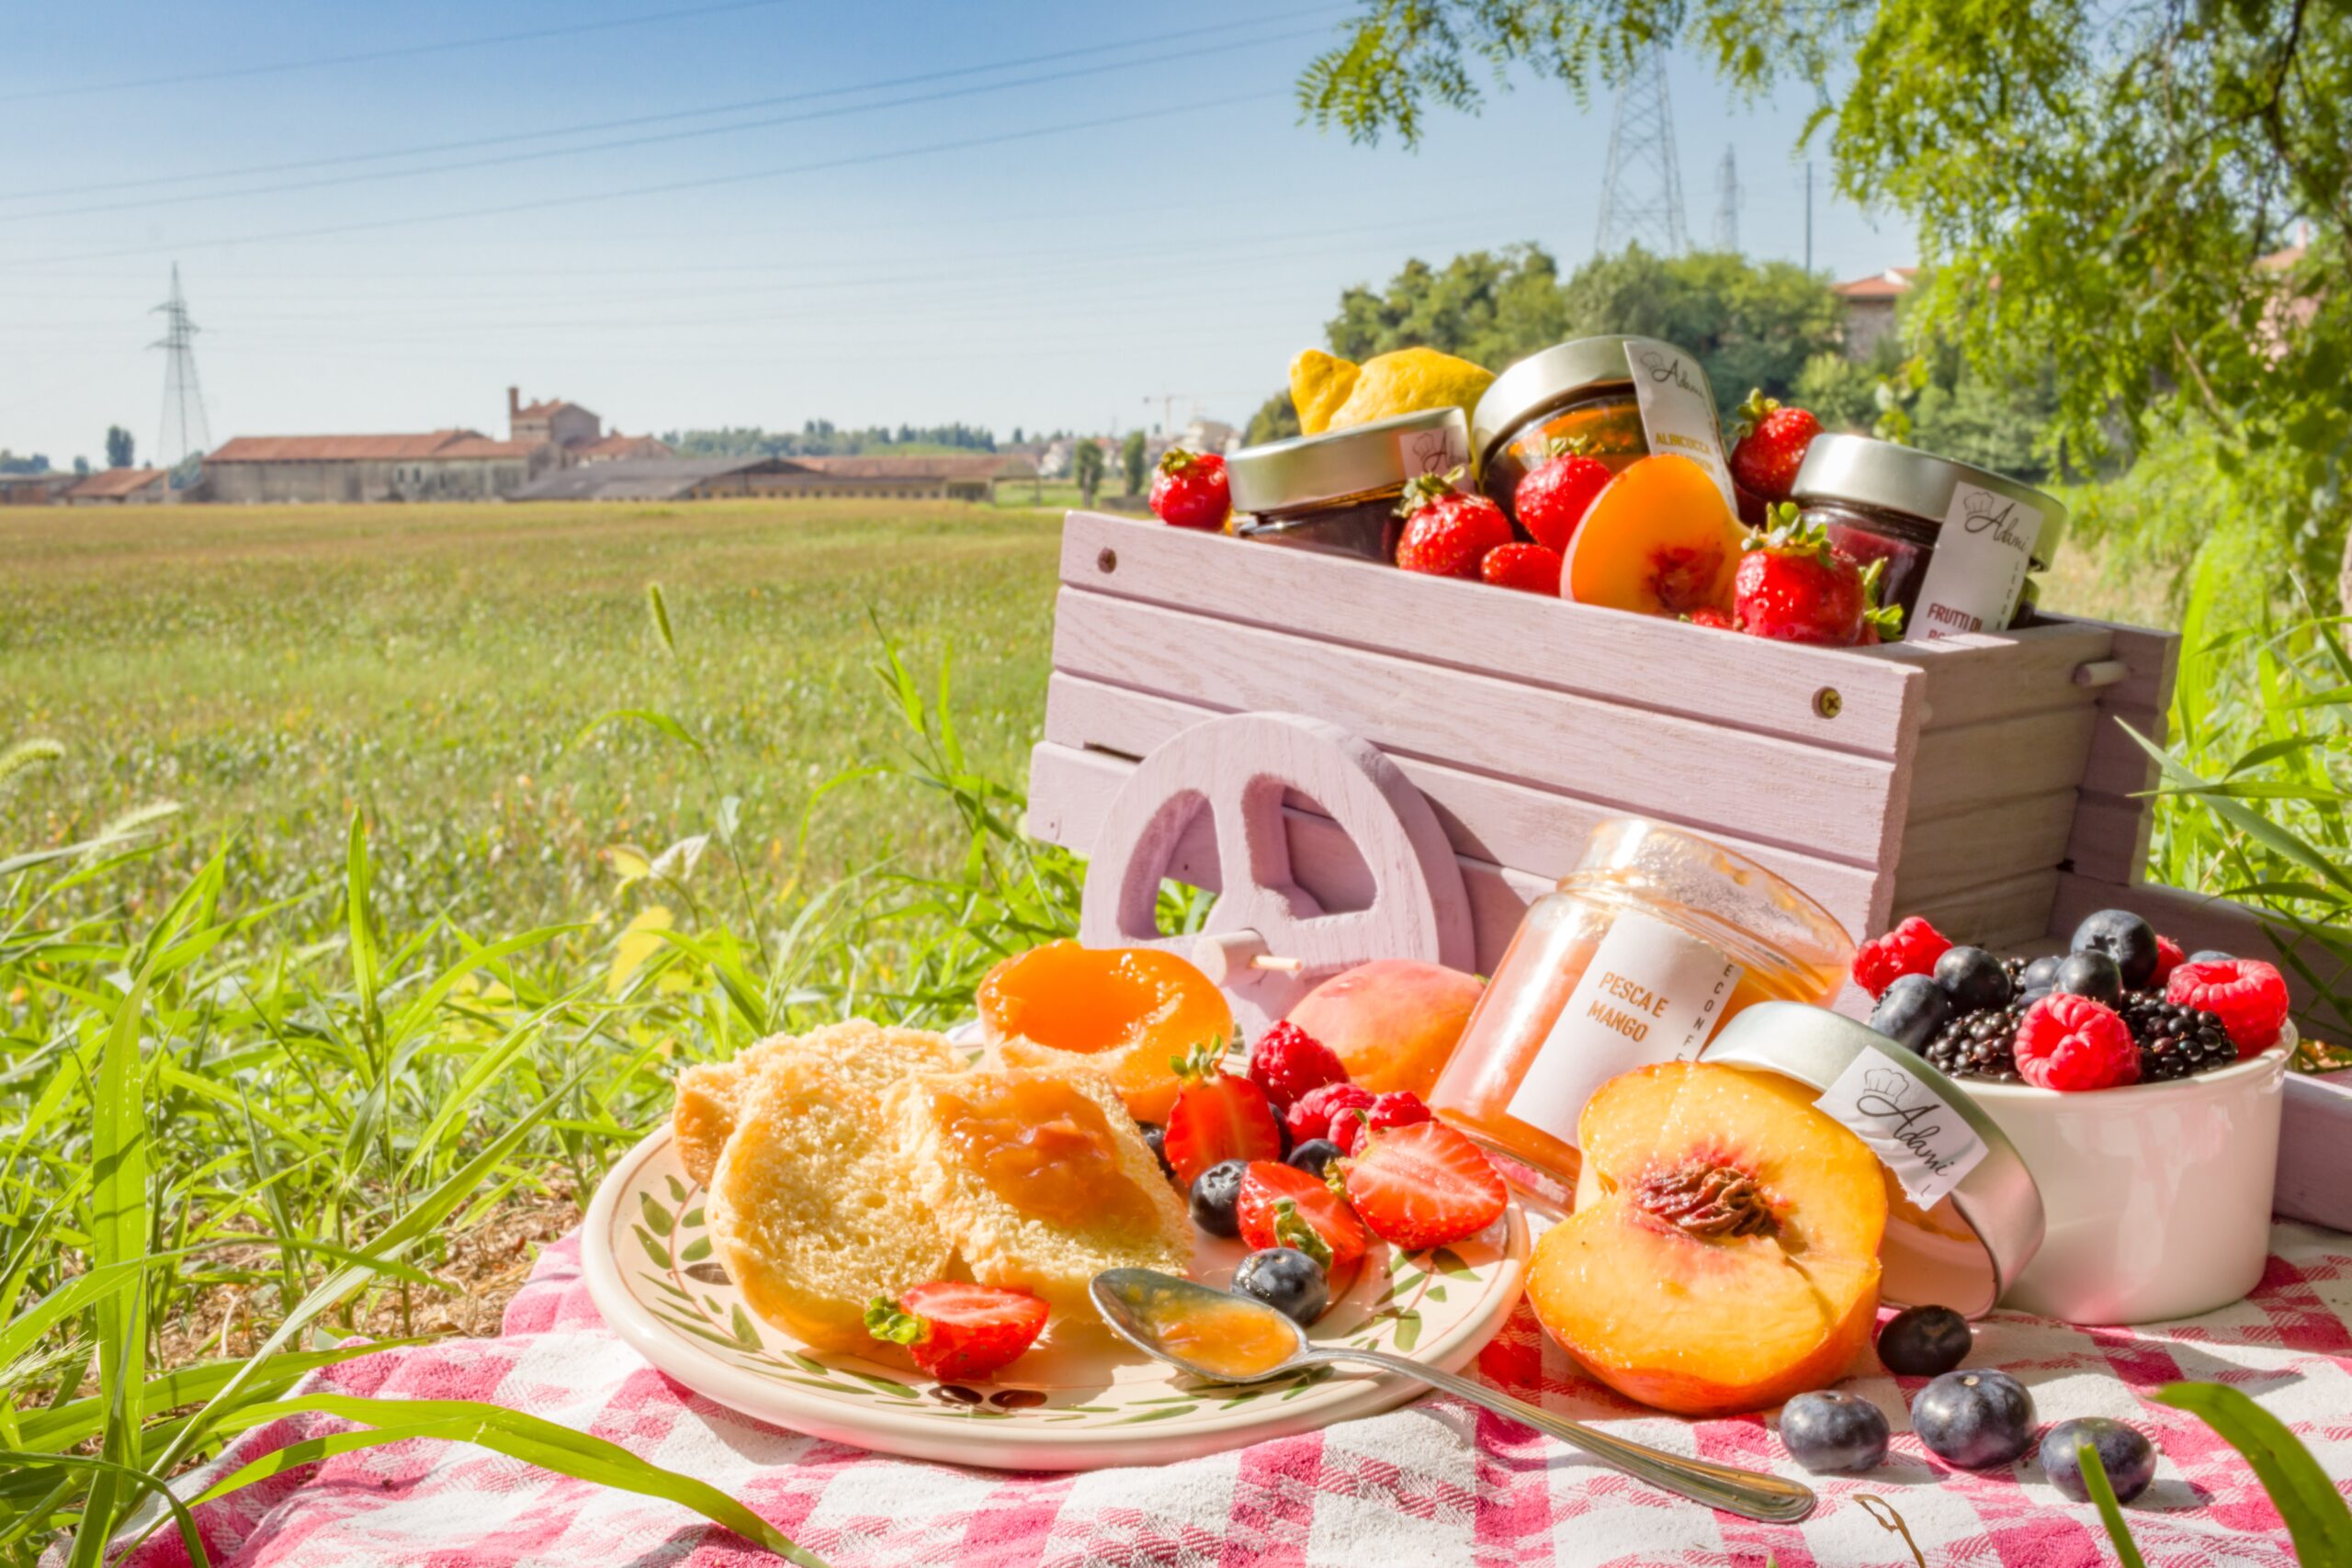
column 1902, row 479
column 1362, row 459
column 1966, row 1248
column 1552, row 376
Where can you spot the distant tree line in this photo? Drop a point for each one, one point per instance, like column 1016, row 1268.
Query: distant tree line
column 1768, row 324
column 822, row 438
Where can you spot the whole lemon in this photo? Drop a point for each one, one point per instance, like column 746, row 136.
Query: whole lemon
column 1408, row 381
column 1319, row 383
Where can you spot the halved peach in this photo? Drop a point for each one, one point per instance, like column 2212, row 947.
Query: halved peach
column 1393, row 1022
column 1724, row 1251
column 1658, row 540
column 1136, row 1007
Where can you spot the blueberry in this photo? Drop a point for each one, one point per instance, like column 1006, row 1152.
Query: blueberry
column 1155, row 1138
column 2128, row 1459
column 1314, row 1157
column 2125, row 937
column 2211, row 956
column 2093, row 975
column 1924, row 1341
column 1914, row 1012
column 1286, row 1279
column 1974, row 979
column 1975, row 1420
column 1833, row 1432
column 2041, row 975
column 1216, row 1194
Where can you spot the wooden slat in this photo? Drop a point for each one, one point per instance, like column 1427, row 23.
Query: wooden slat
column 2002, row 675
column 1070, row 791
column 1962, row 769
column 1685, row 770
column 1636, row 660
column 2111, row 827
column 1502, row 821
column 2109, row 838
column 1991, row 843
column 1998, row 914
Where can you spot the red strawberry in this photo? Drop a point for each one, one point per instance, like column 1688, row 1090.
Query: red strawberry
column 1287, row 1062
column 2248, row 996
column 1397, row 1107
column 1771, row 445
column 1709, row 615
column 1911, row 948
column 1190, row 490
column 1532, row 568
column 1216, row 1117
column 959, row 1332
column 1552, row 497
column 1282, row 1206
column 2067, row 1041
column 1791, row 586
column 1447, row 532
column 1424, row 1186
column 1311, row 1115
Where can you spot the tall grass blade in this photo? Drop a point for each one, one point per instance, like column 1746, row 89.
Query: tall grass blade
column 2318, row 1521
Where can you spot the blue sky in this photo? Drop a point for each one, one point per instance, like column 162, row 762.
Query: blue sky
column 1056, row 243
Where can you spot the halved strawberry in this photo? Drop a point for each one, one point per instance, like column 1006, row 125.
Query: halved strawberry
column 1282, row 1205
column 1424, row 1185
column 955, row 1331
column 1216, row 1117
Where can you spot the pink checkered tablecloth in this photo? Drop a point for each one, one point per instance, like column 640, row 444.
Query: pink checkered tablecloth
column 1433, row 1484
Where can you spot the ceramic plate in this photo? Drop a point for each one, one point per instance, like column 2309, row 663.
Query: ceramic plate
column 1077, row 1401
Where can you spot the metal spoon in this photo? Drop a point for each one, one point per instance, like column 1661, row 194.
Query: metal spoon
column 1134, row 1301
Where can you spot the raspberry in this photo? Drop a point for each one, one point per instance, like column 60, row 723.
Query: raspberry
column 2067, row 1041
column 1911, row 948
column 2170, row 957
column 1287, row 1062
column 2249, row 996
column 1397, row 1107
column 1312, row 1113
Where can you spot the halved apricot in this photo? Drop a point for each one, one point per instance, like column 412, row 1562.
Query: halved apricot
column 1658, row 540
column 1137, row 1008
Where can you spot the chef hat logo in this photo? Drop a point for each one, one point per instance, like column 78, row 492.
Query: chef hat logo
column 1886, row 1081
column 1981, row 506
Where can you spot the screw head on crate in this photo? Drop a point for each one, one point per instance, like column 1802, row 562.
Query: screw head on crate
column 1258, row 804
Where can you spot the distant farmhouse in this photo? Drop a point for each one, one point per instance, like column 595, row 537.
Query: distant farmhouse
column 441, row 464
column 956, row 478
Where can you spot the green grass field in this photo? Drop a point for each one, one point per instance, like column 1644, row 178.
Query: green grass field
column 270, row 669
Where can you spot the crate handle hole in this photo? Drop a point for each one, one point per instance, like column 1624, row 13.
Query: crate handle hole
column 1107, row 561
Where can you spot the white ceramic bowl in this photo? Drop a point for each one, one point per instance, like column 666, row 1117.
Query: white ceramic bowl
column 2157, row 1196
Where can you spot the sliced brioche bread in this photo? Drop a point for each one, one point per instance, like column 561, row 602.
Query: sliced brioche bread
column 1042, row 1179
column 711, row 1096
column 812, row 1210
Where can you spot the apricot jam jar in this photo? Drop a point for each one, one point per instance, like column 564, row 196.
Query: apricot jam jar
column 1337, row 492
column 1959, row 541
column 1637, row 956
column 1622, row 397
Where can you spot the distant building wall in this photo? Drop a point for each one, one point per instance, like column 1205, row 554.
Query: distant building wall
column 326, row 480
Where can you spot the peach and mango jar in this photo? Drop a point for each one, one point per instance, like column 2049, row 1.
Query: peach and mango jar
column 1637, row 956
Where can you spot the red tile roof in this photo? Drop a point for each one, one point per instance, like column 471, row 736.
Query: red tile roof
column 483, row 446
column 338, row 448
column 108, row 483
column 618, row 446
column 1892, row 284
column 545, row 407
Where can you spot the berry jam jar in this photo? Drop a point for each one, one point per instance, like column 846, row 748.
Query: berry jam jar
column 1639, row 956
column 1623, row 398
column 1958, row 542
column 1337, row 492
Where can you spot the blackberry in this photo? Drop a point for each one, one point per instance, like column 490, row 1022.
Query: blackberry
column 2175, row 1040
column 1979, row 1045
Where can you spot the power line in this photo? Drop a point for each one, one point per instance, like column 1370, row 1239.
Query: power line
column 403, row 52
column 503, row 210
column 619, row 144
column 740, row 105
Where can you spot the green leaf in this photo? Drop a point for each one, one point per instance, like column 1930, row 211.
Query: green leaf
column 509, row 1432
column 119, row 1214
column 2317, row 1520
column 656, row 1216
column 656, row 608
column 653, row 1250
column 1408, row 1330
column 2110, row 1512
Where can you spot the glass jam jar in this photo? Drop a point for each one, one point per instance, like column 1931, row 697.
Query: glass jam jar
column 1337, row 492
column 1958, row 542
column 1623, row 398
column 1637, row 956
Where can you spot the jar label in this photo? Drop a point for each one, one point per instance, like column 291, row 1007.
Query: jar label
column 1649, row 994
column 1678, row 412
column 1913, row 1129
column 1977, row 573
column 1439, row 451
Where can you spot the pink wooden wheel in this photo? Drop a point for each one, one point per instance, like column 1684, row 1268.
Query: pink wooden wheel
column 1268, row 941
